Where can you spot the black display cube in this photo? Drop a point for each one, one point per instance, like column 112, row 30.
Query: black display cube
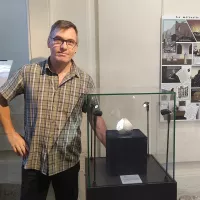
column 156, row 183
column 126, row 153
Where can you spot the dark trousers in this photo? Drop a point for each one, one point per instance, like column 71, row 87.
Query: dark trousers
column 35, row 185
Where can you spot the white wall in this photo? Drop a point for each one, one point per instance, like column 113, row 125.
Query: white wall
column 39, row 26
column 129, row 42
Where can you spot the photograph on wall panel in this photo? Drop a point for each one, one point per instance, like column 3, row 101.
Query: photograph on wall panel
column 183, row 91
column 183, row 32
column 168, row 36
column 195, row 28
column 196, row 54
column 176, row 74
column 182, row 55
column 183, row 99
column 195, row 87
column 195, row 76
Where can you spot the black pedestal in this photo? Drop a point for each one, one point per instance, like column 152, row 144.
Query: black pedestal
column 126, row 153
column 156, row 184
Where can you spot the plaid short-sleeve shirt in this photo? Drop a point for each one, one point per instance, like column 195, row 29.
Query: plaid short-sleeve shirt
column 52, row 114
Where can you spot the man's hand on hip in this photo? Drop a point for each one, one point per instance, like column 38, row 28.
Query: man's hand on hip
column 18, row 144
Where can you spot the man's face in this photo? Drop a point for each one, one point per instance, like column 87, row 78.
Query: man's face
column 63, row 52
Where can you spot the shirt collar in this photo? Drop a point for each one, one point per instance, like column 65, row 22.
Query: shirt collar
column 74, row 71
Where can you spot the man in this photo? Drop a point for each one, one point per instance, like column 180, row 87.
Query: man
column 54, row 100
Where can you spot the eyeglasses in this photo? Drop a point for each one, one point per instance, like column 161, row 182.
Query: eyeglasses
column 59, row 41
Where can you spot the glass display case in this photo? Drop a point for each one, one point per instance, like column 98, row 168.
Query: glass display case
column 138, row 161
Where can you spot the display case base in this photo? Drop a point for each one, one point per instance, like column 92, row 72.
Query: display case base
column 156, row 183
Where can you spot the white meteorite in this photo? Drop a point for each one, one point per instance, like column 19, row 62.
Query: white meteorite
column 124, row 125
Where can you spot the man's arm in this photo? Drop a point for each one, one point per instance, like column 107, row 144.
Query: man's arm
column 91, row 106
column 101, row 130
column 5, row 116
column 100, row 127
column 16, row 141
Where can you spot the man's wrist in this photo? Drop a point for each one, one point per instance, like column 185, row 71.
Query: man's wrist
column 10, row 132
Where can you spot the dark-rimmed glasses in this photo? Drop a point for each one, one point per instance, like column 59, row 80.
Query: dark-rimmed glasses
column 59, row 41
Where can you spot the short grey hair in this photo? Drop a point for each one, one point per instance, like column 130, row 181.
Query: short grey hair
column 63, row 24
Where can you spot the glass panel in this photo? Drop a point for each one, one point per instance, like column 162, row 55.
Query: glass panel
column 151, row 113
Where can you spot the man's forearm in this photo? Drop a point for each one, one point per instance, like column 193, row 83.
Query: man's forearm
column 5, row 116
column 101, row 130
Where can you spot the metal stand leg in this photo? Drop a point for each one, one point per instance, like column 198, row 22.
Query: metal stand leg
column 95, row 119
column 91, row 135
column 167, row 152
column 148, row 131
